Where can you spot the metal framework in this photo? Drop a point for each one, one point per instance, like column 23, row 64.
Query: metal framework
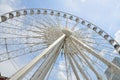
column 46, row 34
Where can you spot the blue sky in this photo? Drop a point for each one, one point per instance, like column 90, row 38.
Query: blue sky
column 103, row 13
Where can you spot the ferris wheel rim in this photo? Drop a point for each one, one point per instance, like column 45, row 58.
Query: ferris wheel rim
column 69, row 16
column 34, row 11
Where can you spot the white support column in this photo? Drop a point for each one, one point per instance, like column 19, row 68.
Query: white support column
column 73, row 67
column 41, row 68
column 80, row 68
column 66, row 65
column 114, row 68
column 47, row 68
column 48, row 62
column 96, row 73
column 22, row 72
column 52, row 53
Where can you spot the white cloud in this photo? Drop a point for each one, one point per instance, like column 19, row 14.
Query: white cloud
column 104, row 13
column 7, row 6
column 102, row 53
column 7, row 68
column 61, row 65
column 87, row 9
column 61, row 76
column 61, row 71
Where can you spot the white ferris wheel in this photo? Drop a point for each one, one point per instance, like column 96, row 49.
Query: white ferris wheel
column 45, row 37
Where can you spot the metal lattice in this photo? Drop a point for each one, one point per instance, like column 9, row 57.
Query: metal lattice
column 50, row 36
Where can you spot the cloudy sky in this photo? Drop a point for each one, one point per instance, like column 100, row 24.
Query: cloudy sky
column 103, row 13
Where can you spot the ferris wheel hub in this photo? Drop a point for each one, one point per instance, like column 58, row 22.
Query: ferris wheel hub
column 67, row 32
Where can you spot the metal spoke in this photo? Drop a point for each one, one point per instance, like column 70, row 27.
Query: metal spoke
column 109, row 64
column 45, row 41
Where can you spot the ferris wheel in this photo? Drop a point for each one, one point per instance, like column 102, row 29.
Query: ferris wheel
column 49, row 39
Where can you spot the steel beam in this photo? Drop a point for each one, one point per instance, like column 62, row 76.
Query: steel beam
column 42, row 71
column 115, row 69
column 92, row 68
column 80, row 68
column 47, row 68
column 73, row 67
column 22, row 72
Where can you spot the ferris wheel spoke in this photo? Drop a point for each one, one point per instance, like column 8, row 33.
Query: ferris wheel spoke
column 12, row 33
column 94, row 61
column 79, row 67
column 29, row 23
column 42, row 71
column 83, row 63
column 109, row 52
column 66, row 25
column 28, row 67
column 98, row 44
column 73, row 67
column 67, row 64
column 6, row 47
column 13, row 36
column 38, row 72
column 74, row 26
column 98, row 66
column 21, row 48
column 84, row 37
column 49, row 21
column 86, row 50
column 55, row 20
column 27, row 43
column 13, row 54
column 47, row 68
column 45, row 24
column 18, row 28
column 71, row 63
column 20, row 37
column 58, row 21
column 97, row 74
column 53, row 55
column 22, row 54
column 48, row 75
column 114, row 68
column 24, row 30
column 25, row 47
column 41, row 23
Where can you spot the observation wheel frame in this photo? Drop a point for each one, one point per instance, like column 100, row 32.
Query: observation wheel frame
column 37, row 11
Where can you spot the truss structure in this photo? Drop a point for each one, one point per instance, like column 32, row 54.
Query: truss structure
column 48, row 35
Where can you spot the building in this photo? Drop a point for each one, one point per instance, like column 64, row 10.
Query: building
column 3, row 78
column 109, row 74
